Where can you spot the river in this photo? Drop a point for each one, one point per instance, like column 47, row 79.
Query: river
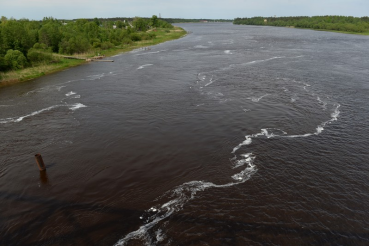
column 231, row 135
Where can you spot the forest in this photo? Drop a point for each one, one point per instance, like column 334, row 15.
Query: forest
column 25, row 43
column 334, row 23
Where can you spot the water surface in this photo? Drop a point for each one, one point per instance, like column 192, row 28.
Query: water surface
column 232, row 135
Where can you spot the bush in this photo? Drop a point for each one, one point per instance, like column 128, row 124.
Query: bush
column 96, row 45
column 135, row 37
column 147, row 36
column 74, row 45
column 3, row 65
column 106, row 45
column 40, row 46
column 36, row 56
column 15, row 59
column 127, row 40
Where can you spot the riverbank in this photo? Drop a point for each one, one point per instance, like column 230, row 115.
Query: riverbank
column 59, row 64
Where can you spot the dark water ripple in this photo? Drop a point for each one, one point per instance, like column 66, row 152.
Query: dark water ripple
column 233, row 135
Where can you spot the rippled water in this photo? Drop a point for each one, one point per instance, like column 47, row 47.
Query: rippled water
column 232, row 135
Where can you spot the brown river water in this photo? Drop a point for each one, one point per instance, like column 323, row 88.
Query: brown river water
column 231, row 135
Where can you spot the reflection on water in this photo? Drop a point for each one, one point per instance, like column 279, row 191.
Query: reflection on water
column 44, row 178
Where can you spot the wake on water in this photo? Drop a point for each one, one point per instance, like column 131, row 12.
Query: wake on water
column 180, row 195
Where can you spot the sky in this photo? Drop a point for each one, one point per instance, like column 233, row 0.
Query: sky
column 190, row 9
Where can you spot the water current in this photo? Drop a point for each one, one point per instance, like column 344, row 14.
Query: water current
column 232, row 135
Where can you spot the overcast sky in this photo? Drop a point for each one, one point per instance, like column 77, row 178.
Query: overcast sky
column 206, row 9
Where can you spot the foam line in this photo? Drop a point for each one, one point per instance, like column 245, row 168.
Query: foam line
column 143, row 66
column 257, row 99
column 152, row 52
column 320, row 128
column 19, row 119
column 70, row 93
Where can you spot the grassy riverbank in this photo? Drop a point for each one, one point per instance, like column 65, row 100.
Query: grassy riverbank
column 59, row 63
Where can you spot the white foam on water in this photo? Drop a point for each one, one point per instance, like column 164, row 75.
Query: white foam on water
column 257, row 99
column 76, row 106
column 96, row 76
column 247, row 141
column 70, row 93
column 20, row 118
column 201, row 47
column 228, row 41
column 152, row 52
column 143, row 66
column 179, row 197
column 47, row 89
column 320, row 128
column 60, row 87
column 228, row 52
column 324, row 104
column 246, row 158
column 293, row 99
column 159, row 235
column 210, row 82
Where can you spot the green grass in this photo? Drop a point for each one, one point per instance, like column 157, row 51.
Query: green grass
column 12, row 77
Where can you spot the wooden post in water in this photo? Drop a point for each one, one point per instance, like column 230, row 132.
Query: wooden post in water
column 40, row 162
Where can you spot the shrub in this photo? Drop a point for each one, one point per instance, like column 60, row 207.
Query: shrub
column 127, row 40
column 135, row 37
column 106, row 45
column 96, row 45
column 36, row 56
column 15, row 59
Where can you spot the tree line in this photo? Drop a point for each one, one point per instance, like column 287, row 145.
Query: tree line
column 27, row 42
column 336, row 23
column 179, row 20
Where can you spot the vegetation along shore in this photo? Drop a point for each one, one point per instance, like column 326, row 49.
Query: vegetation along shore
column 343, row 24
column 30, row 49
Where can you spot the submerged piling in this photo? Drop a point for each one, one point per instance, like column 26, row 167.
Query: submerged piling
column 40, row 162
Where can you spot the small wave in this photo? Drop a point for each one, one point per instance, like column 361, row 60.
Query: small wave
column 324, row 104
column 96, row 76
column 143, row 66
column 70, row 93
column 152, row 52
column 201, row 47
column 228, row 52
column 257, row 99
column 19, row 119
column 77, row 106
column 320, row 128
column 247, row 158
